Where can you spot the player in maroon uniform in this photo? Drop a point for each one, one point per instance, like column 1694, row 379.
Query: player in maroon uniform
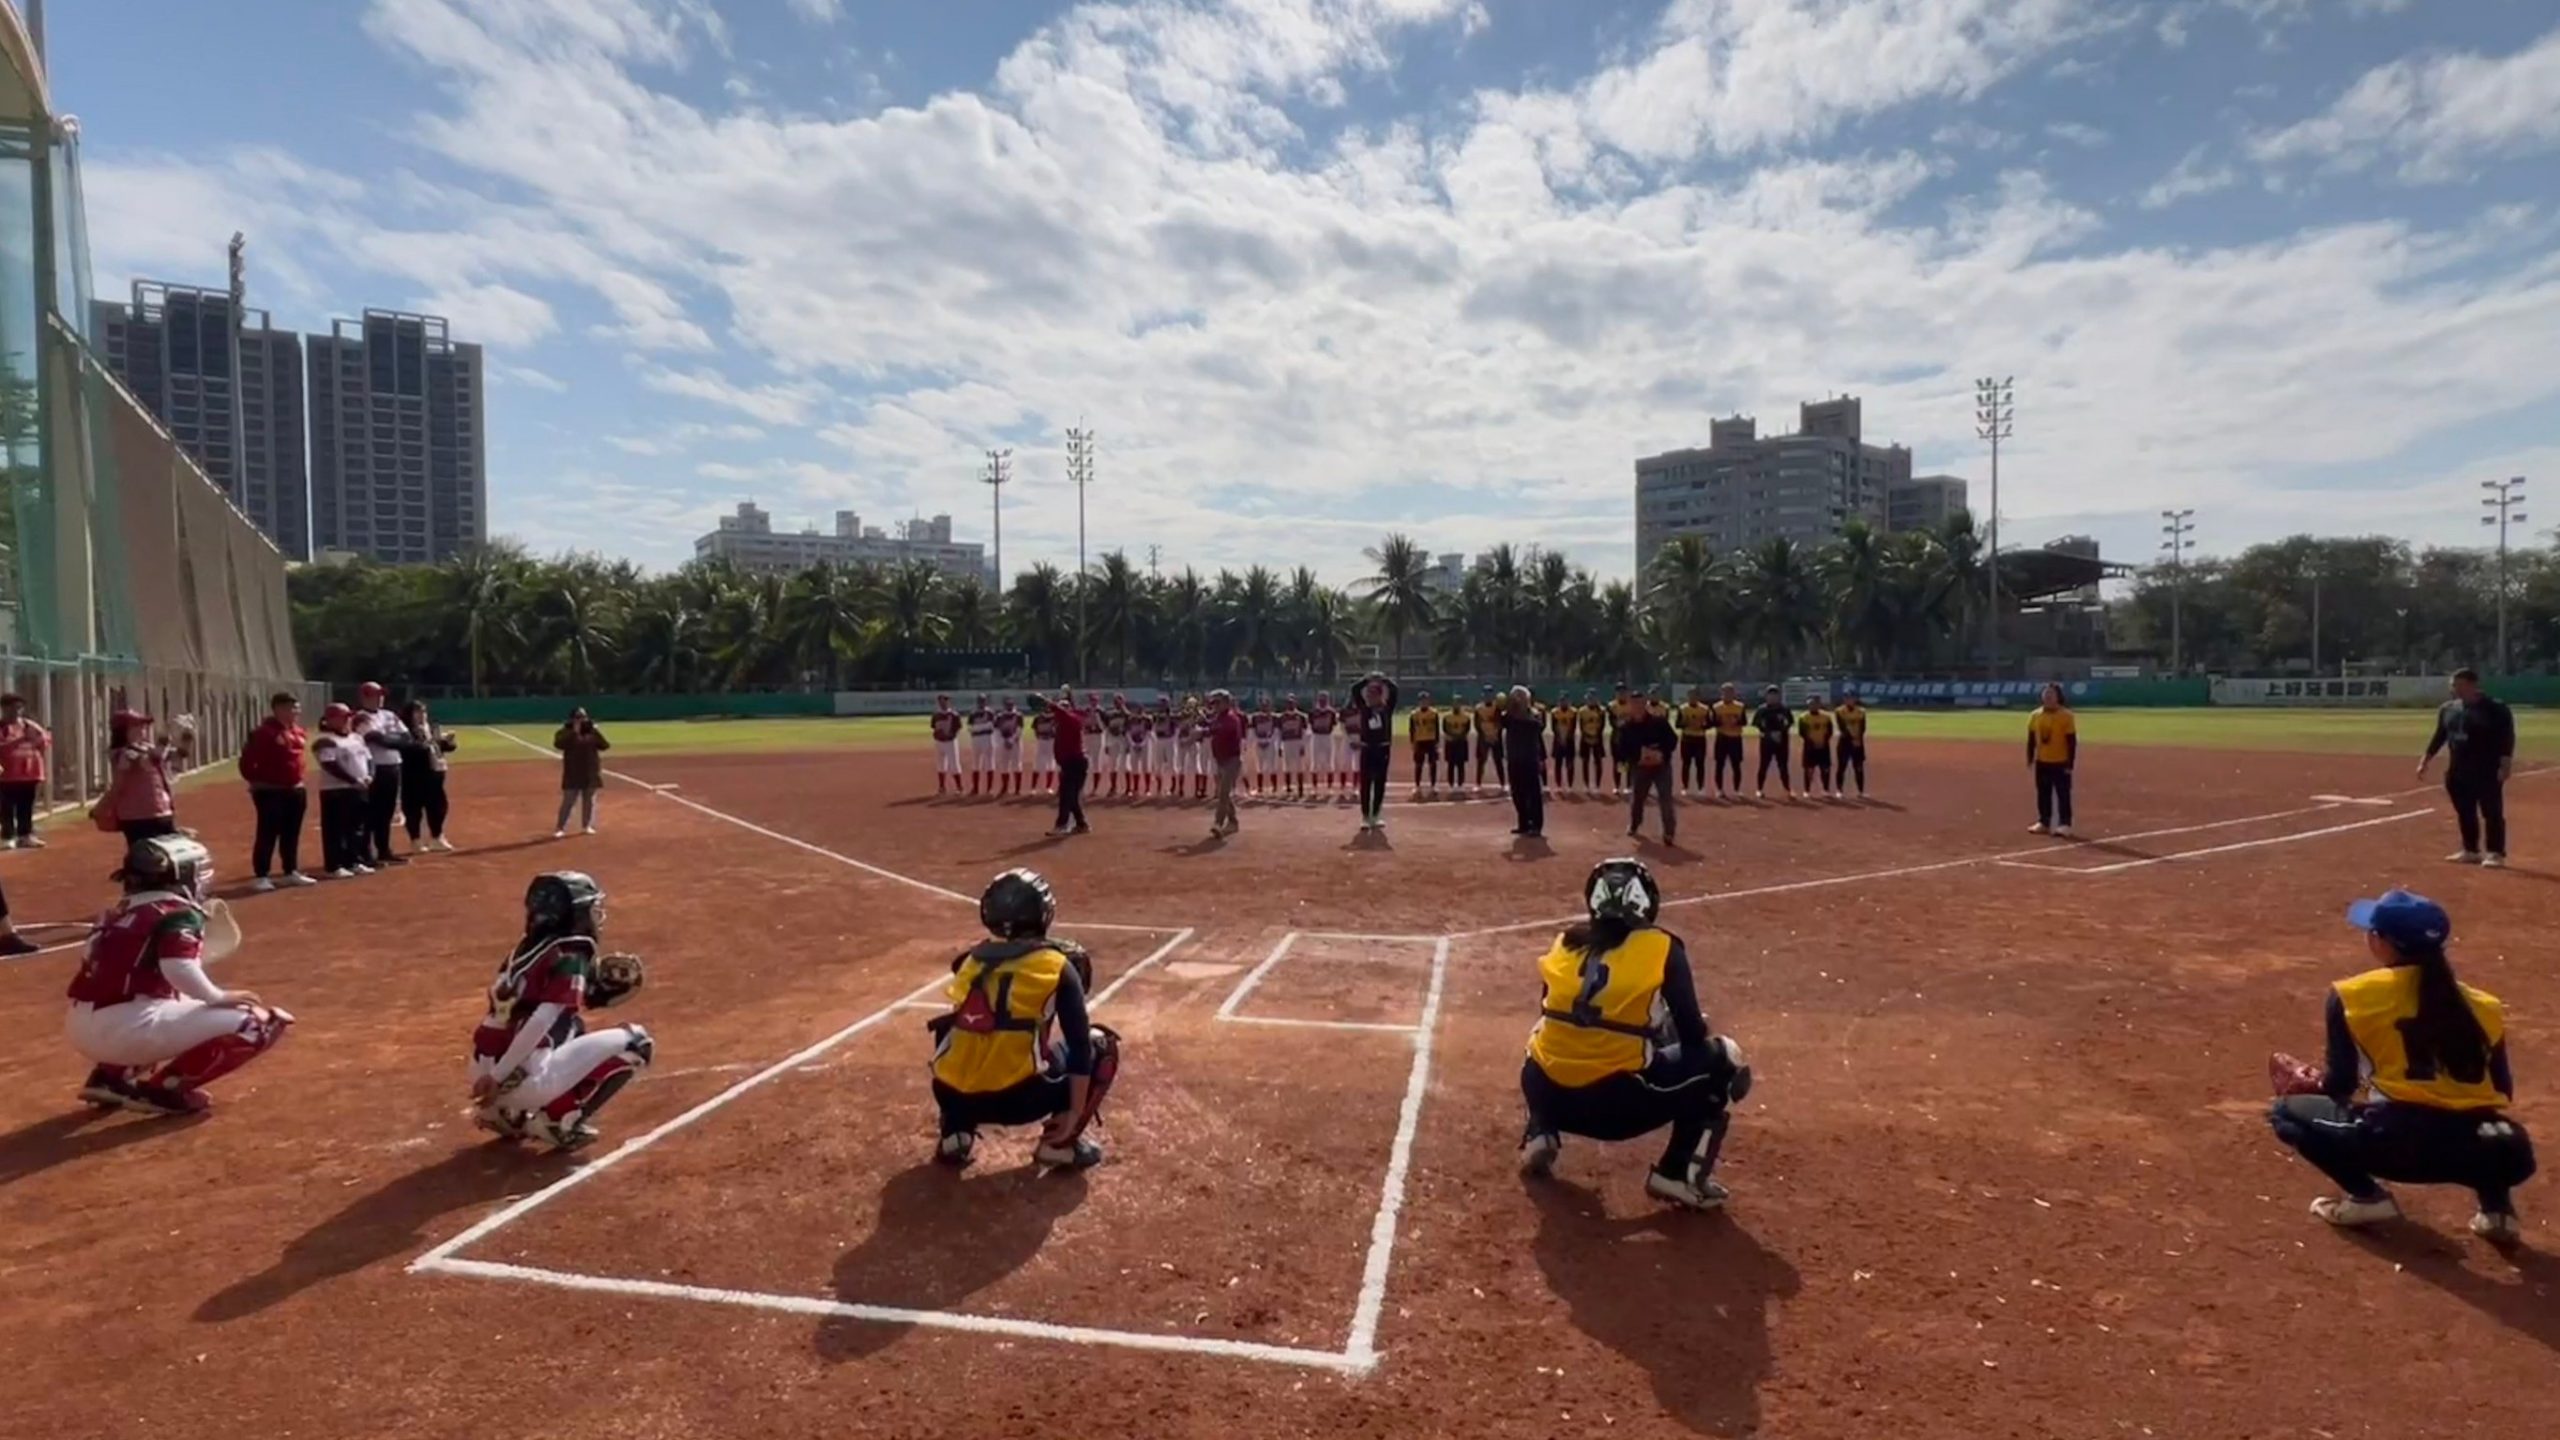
column 1266, row 733
column 982, row 746
column 143, row 1011
column 1322, row 723
column 1044, row 755
column 537, row 1072
column 1115, row 740
column 1293, row 747
column 1134, row 743
column 946, row 745
column 1008, row 749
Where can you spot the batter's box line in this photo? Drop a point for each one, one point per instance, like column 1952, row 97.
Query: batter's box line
column 1227, row 1010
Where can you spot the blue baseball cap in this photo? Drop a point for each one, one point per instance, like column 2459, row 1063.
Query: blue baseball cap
column 2406, row 920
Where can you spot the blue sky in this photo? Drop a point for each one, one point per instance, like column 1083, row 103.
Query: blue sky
column 1316, row 269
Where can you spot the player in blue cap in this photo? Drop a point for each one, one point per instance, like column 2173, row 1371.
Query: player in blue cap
column 2433, row 1053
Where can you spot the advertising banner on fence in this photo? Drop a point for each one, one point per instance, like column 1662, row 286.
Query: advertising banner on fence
column 920, row 702
column 2409, row 690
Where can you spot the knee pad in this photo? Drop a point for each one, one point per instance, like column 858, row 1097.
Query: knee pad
column 640, row 1048
column 1739, row 1086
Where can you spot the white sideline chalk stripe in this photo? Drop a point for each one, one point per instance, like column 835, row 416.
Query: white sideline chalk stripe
column 1362, row 938
column 2353, row 799
column 1253, row 977
column 892, row 1315
column 2124, row 865
column 668, row 794
column 1362, row 1348
column 1180, row 938
column 509, row 1214
column 1282, row 1022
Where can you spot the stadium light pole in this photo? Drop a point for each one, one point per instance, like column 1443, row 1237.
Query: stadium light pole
column 1080, row 472
column 2504, row 500
column 1995, row 414
column 2181, row 531
column 997, row 475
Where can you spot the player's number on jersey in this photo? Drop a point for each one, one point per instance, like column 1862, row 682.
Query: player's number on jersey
column 1595, row 980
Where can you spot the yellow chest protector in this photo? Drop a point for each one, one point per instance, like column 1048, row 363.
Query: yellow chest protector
column 1003, row 997
column 2380, row 1006
column 1602, row 1014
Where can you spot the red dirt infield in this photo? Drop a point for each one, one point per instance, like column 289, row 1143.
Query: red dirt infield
column 2005, row 1173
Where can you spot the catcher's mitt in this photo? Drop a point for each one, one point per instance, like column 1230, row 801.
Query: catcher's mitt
column 615, row 978
column 1080, row 958
column 2290, row 1076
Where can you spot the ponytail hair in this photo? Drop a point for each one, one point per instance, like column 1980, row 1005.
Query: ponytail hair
column 1598, row 936
column 2445, row 1035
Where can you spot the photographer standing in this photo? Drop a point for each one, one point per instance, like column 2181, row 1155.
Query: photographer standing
column 581, row 746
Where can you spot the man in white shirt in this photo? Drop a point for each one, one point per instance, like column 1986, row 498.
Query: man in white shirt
column 346, row 776
column 384, row 737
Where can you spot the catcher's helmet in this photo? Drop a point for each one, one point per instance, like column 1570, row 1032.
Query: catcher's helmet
column 1622, row 890
column 563, row 902
column 167, row 862
column 1018, row 905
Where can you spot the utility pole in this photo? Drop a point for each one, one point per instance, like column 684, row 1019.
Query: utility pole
column 1155, row 558
column 1080, row 474
column 997, row 475
column 1995, row 414
column 2505, row 498
column 239, row 477
column 2181, row 531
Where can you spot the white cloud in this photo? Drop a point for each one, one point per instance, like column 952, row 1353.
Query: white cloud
column 493, row 315
column 772, row 404
column 2435, row 115
column 818, row 12
column 2087, row 137
column 2194, row 174
column 529, row 378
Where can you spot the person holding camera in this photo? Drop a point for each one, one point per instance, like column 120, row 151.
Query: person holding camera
column 581, row 746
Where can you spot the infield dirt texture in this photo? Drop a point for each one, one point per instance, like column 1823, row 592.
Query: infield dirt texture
column 2004, row 1176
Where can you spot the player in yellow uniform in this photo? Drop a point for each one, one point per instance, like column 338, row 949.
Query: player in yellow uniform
column 1622, row 1049
column 1422, row 728
column 2053, row 753
column 1850, row 753
column 1731, row 718
column 2434, row 1052
column 1488, row 717
column 1564, row 725
column 1816, row 726
column 1593, row 742
column 1694, row 719
column 1016, row 1047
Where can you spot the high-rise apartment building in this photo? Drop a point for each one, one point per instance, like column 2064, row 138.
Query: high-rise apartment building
column 399, row 439
column 1925, row 502
column 227, row 385
column 748, row 540
column 1743, row 489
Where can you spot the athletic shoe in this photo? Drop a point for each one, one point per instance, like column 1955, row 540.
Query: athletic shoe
column 956, row 1149
column 2039, row 828
column 1756, row 794
column 107, row 1090
column 1081, row 829
column 261, row 885
column 2500, row 1227
column 590, row 830
column 1634, row 833
column 395, row 860
column 296, row 877
column 1538, row 1155
column 14, row 944
column 361, row 868
column 1699, row 1194
column 2062, row 832
column 559, row 834
column 30, row 842
column 2494, row 860
column 2347, row 1213
column 166, row 1100
column 341, row 873
column 1079, row 1154
column 562, row 1136
column 497, row 1122
column 2463, row 857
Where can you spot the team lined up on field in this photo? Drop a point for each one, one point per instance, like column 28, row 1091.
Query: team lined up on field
column 1164, row 749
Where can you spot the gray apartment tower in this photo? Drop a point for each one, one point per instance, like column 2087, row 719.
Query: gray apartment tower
column 399, row 440
column 228, row 387
column 1743, row 489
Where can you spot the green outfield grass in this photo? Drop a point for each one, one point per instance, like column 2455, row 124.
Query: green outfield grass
column 2344, row 732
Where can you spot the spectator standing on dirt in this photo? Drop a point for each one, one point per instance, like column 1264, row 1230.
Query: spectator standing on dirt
column 25, row 747
column 386, row 742
column 2481, row 733
column 274, row 763
column 581, row 746
column 346, row 776
column 2053, row 753
column 422, row 797
column 1068, row 725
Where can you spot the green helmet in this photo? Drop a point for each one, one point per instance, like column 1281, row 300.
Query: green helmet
column 1624, row 891
column 563, row 902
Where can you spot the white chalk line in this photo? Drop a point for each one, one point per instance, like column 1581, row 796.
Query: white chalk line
column 922, row 1319
column 1180, row 938
column 1282, row 1022
column 1253, row 977
column 2124, row 865
column 1362, row 1350
column 670, row 796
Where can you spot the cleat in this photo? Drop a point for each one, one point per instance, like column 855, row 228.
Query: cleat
column 563, row 1136
column 166, row 1100
column 496, row 1122
column 1538, row 1156
column 2494, row 860
column 1076, row 1154
column 2463, row 857
column 956, row 1149
column 1698, row 1194
column 106, row 1089
column 2500, row 1227
column 2348, row 1213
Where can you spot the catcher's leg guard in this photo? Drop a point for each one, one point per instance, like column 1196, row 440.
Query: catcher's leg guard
column 201, row 1064
column 1070, row 1127
column 582, row 1100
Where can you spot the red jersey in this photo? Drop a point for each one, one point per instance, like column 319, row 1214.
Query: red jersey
column 1044, row 725
column 1008, row 724
column 946, row 726
column 1139, row 727
column 1322, row 719
column 1070, row 726
column 1264, row 723
column 130, row 945
column 1292, row 724
column 1226, row 735
column 982, row 721
column 1115, row 722
column 550, row 972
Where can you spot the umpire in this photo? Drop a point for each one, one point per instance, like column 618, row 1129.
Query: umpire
column 2481, row 733
column 1523, row 757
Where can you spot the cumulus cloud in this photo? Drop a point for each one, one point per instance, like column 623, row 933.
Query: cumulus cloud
column 2433, row 116
column 2196, row 173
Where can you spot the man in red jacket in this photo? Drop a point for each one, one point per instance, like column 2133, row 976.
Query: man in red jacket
column 1070, row 725
column 272, row 763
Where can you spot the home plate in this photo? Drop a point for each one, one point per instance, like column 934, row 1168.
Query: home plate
column 2350, row 800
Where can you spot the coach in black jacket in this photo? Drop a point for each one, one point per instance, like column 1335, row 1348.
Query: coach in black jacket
column 1524, row 728
column 1649, row 742
column 2481, row 733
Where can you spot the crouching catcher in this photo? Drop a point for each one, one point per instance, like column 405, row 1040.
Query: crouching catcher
column 1621, row 1048
column 155, row 1027
column 1017, row 1047
column 537, row 1072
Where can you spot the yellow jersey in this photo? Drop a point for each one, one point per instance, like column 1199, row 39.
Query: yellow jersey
column 2379, row 1005
column 1003, row 996
column 2049, row 735
column 1623, row 712
column 1595, row 718
column 1815, row 727
column 1423, row 725
column 1603, row 1013
column 1562, row 719
column 1695, row 717
column 1853, row 723
column 1488, row 721
column 1730, row 717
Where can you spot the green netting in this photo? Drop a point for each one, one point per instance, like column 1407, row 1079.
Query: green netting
column 167, row 628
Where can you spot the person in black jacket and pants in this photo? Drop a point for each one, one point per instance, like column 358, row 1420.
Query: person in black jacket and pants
column 1650, row 742
column 1371, row 719
column 1524, row 728
column 2481, row 733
